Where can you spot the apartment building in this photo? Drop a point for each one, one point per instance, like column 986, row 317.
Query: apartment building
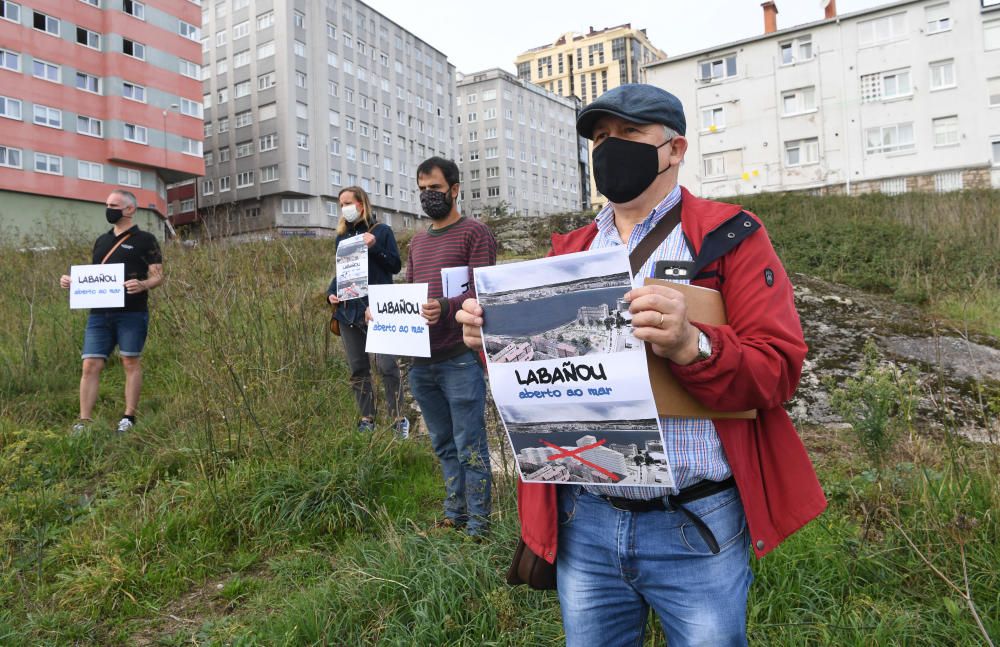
column 306, row 97
column 901, row 97
column 586, row 66
column 96, row 94
column 518, row 148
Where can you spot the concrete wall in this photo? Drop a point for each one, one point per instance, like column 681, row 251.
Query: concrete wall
column 29, row 219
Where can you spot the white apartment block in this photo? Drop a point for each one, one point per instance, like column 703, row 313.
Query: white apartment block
column 518, row 147
column 901, row 97
column 306, row 97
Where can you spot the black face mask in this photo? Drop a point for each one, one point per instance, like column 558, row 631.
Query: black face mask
column 623, row 169
column 113, row 215
column 436, row 204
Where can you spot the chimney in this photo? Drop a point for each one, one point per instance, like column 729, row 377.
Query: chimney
column 770, row 16
column 830, row 9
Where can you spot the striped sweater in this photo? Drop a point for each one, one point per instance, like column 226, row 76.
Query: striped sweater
column 464, row 243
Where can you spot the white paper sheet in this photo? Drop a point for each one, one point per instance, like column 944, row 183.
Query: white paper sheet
column 397, row 328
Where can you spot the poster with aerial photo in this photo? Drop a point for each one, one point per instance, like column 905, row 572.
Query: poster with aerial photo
column 352, row 268
column 607, row 444
column 572, row 392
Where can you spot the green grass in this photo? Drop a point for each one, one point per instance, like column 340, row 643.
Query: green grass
column 245, row 511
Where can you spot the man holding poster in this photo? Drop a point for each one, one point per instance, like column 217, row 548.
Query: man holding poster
column 740, row 483
column 124, row 326
column 449, row 385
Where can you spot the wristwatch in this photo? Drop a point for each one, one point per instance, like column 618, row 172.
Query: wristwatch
column 704, row 346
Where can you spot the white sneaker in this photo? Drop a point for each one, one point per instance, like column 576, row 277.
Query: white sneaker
column 125, row 425
column 79, row 427
column 402, row 427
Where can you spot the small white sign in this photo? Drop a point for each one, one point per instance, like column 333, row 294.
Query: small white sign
column 397, row 327
column 97, row 286
column 455, row 281
column 352, row 268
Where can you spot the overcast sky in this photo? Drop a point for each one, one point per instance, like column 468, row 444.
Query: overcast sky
column 477, row 35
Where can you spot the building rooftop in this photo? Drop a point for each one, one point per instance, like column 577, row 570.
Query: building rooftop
column 575, row 37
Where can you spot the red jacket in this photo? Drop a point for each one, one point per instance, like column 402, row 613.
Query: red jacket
column 755, row 364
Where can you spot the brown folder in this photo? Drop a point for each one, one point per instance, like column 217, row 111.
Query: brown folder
column 672, row 401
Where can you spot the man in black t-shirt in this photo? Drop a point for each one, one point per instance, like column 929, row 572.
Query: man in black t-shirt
column 124, row 327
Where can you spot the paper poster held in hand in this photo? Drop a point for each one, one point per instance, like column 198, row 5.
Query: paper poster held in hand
column 97, row 286
column 455, row 281
column 352, row 268
column 397, row 327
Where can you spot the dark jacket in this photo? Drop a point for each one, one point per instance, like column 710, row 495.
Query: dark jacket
column 383, row 262
column 755, row 364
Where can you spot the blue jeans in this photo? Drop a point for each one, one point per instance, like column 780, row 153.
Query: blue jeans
column 614, row 565
column 105, row 330
column 452, row 399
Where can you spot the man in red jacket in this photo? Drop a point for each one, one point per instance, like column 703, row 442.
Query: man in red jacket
column 741, row 484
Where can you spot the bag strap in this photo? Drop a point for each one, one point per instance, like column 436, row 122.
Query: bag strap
column 117, row 245
column 652, row 240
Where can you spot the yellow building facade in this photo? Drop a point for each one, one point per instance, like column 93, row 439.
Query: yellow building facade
column 588, row 65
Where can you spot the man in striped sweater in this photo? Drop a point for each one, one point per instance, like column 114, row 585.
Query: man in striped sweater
column 449, row 385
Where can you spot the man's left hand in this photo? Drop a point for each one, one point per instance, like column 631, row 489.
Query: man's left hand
column 659, row 317
column 431, row 311
column 134, row 286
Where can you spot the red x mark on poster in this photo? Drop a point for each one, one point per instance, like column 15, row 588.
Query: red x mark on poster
column 575, row 453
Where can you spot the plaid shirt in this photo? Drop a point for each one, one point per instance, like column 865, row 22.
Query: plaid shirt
column 691, row 445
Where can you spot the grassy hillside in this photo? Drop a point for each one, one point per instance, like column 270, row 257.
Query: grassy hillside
column 244, row 510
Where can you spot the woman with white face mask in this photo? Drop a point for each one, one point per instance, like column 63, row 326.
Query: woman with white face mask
column 357, row 219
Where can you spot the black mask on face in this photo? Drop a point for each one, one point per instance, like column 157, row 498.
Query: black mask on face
column 623, row 169
column 436, row 204
column 113, row 215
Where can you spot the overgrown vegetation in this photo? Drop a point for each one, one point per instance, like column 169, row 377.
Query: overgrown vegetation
column 245, row 511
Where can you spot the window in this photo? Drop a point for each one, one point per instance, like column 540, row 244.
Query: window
column 265, row 81
column 187, row 205
column 223, row 154
column 88, row 83
column 943, row 74
column 244, row 179
column 223, row 124
column 473, row 136
column 134, row 92
column 303, row 172
column 796, row 50
column 10, row 11
column 222, row 66
column 796, row 102
column 241, row 89
column 48, row 24
column 191, row 108
column 10, row 108
column 492, row 191
column 885, row 85
column 10, row 60
column 938, row 18
column 268, row 111
column 88, row 38
column 223, row 183
column 945, row 131
column 268, row 143
column 991, row 34
column 880, row 30
column 241, row 29
column 472, row 117
column 948, row 181
column 10, row 157
column 492, row 153
column 299, row 19
column 241, row 58
column 334, row 118
column 714, row 166
column 995, row 147
column 993, row 91
column 220, row 38
column 800, row 152
column 223, row 95
column 300, row 79
column 293, row 206
column 189, row 69
column 89, row 171
column 269, row 173
column 475, row 194
column 136, row 134
column 713, row 118
column 493, row 171
column 717, row 69
column 89, row 126
column 244, row 118
column 51, row 164
column 207, row 186
column 188, row 31
column 191, row 146
column 46, row 71
column 302, row 141
column 129, row 177
column 894, row 186
column 133, row 49
column 302, row 112
column 45, row 116
column 299, row 48
column 888, row 139
column 134, row 8
column 266, row 50
column 265, row 20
